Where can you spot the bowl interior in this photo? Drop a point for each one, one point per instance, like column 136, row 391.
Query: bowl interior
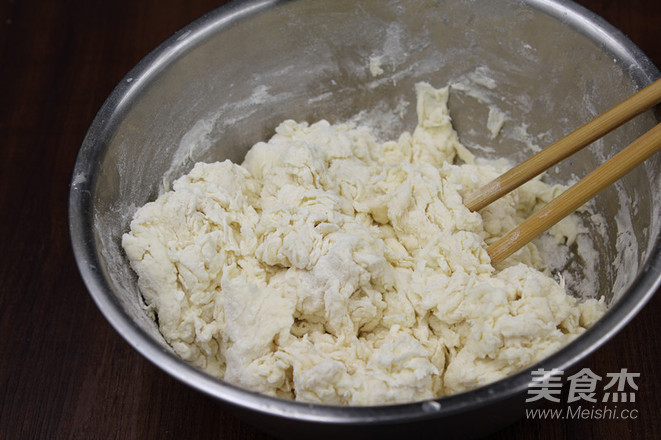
column 225, row 82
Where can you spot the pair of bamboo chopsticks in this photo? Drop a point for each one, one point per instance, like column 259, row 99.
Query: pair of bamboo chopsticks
column 586, row 188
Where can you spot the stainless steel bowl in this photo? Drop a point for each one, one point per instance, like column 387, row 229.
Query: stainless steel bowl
column 224, row 82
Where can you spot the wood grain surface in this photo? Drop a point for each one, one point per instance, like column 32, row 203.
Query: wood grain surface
column 64, row 372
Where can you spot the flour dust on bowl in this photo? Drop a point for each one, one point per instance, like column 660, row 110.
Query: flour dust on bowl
column 519, row 75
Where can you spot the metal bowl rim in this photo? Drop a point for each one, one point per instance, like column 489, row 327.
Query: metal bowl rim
column 84, row 246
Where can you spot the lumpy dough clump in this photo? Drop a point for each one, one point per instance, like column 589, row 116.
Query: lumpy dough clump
column 332, row 268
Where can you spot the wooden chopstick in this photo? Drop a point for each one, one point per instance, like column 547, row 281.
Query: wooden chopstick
column 565, row 147
column 579, row 193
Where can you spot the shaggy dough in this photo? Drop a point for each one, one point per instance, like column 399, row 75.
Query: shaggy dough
column 332, row 268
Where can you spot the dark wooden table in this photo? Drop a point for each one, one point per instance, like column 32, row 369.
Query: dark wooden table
column 64, row 372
